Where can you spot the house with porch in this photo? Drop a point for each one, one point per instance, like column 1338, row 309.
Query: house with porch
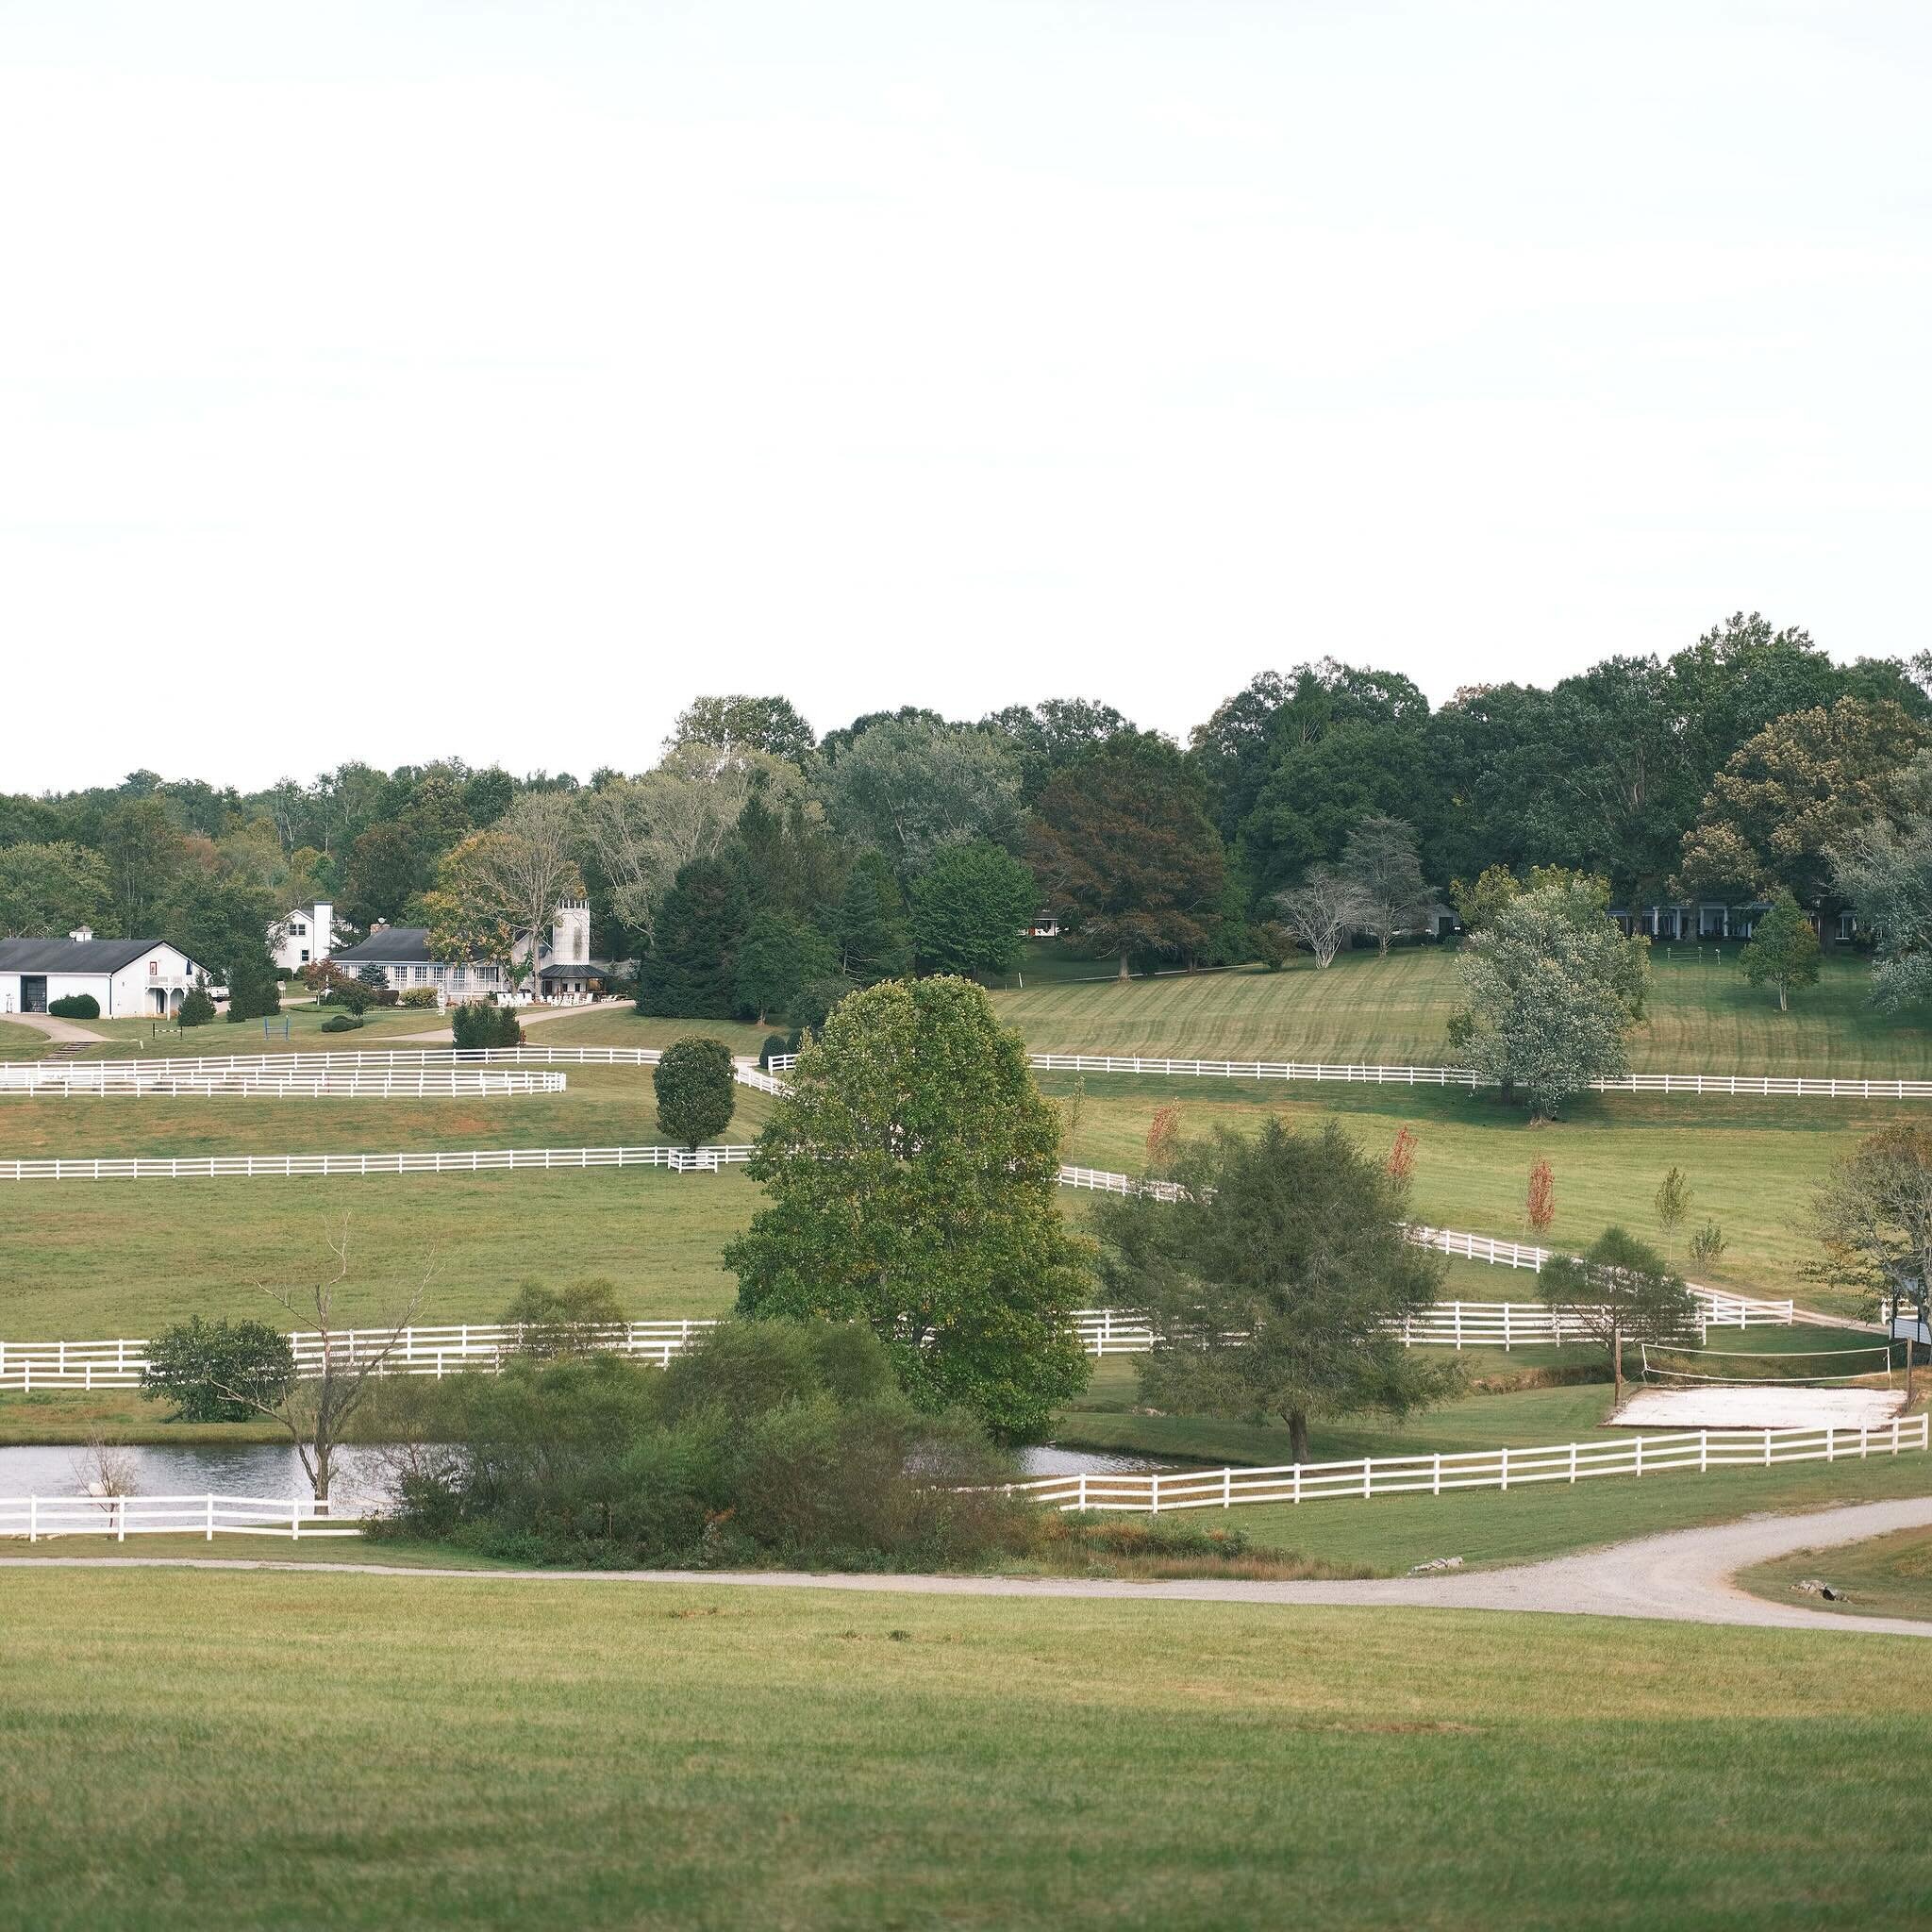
column 128, row 978
column 564, row 968
column 1712, row 919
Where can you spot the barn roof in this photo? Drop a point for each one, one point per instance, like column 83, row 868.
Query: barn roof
column 73, row 955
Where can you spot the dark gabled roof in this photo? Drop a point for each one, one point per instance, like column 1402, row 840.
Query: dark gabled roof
column 567, row 969
column 73, row 955
column 394, row 945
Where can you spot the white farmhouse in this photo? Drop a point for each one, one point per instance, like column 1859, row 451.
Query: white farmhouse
column 564, row 968
column 302, row 933
column 126, row 977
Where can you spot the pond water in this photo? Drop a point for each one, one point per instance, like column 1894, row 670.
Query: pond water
column 273, row 1469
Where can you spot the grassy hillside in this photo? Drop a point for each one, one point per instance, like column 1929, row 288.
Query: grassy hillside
column 605, row 1755
column 1752, row 1165
column 1703, row 1017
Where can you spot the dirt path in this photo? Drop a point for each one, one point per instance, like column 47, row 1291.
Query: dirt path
column 64, row 1031
column 1683, row 1577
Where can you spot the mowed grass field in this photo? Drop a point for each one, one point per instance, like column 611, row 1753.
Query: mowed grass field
column 1395, row 1011
column 1888, row 1577
column 187, row 1749
column 1752, row 1165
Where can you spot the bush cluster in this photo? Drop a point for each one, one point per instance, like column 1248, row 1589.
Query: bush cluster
column 75, row 1005
column 773, row 1441
column 484, row 1023
column 341, row 1023
column 197, row 1010
column 419, row 996
column 219, row 1372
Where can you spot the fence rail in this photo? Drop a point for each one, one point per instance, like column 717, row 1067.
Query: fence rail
column 312, row 1166
column 38, row 1518
column 22, row 1076
column 1477, row 1468
column 77, row 1079
column 1759, row 1086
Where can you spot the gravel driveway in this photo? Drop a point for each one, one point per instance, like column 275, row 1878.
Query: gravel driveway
column 1681, row 1576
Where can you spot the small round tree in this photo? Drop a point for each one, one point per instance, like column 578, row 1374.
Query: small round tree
column 695, row 1094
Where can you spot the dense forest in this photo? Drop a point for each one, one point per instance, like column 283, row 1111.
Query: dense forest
column 753, row 856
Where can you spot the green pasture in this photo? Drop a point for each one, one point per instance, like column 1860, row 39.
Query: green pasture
column 1888, row 1577
column 1752, row 1165
column 1702, row 1017
column 191, row 1749
column 97, row 1258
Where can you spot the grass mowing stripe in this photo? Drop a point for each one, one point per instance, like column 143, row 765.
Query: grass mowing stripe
column 199, row 1750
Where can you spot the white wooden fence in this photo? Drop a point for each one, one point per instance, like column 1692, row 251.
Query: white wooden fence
column 20, row 1074
column 310, row 1166
column 1757, row 1086
column 1475, row 1469
column 38, row 1518
column 72, row 1079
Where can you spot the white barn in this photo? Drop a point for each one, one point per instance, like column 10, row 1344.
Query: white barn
column 127, row 977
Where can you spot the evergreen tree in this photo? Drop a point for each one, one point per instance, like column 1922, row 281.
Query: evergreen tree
column 254, row 991
column 690, row 971
column 695, row 1090
column 875, row 941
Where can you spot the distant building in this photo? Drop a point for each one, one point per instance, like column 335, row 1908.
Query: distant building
column 564, row 967
column 126, row 977
column 303, row 934
column 1712, row 919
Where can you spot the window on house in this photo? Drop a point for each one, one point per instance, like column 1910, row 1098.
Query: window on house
column 299, row 930
column 421, row 974
column 436, row 974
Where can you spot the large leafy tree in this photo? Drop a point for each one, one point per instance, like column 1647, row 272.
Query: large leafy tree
column 46, row 889
column 1791, row 794
column 906, row 787
column 145, row 855
column 778, row 957
column 1551, row 989
column 1621, row 1292
column 1048, row 737
column 380, row 875
column 1874, row 1220
column 1121, row 840
column 970, row 908
column 498, row 891
column 911, row 1178
column 690, row 971
column 1276, row 1283
column 738, row 725
column 1885, row 871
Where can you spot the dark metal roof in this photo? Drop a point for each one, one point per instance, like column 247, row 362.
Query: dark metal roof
column 394, row 945
column 73, row 955
column 572, row 968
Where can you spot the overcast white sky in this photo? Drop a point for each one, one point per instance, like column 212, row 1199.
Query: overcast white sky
column 394, row 380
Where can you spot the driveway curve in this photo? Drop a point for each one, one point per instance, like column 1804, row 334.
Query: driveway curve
column 63, row 1031
column 1683, row 1577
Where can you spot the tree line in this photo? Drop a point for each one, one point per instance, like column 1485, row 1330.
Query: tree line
column 753, row 858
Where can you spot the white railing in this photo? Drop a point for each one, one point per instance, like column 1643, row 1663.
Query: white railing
column 311, row 1165
column 1716, row 1306
column 160, row 1080
column 1252, row 1070
column 748, row 1073
column 1474, row 1469
column 1758, row 1086
column 36, row 1518
column 22, row 1074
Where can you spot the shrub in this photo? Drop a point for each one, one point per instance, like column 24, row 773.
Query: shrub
column 419, row 996
column 341, row 1023
column 216, row 1371
column 774, row 1042
column 482, row 1023
column 696, row 1093
column 197, row 1010
column 1274, row 944
column 75, row 1005
column 254, row 991
column 571, row 1320
column 332, row 987
column 1708, row 1244
column 770, row 1441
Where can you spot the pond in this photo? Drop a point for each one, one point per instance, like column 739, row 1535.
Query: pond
column 273, row 1469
